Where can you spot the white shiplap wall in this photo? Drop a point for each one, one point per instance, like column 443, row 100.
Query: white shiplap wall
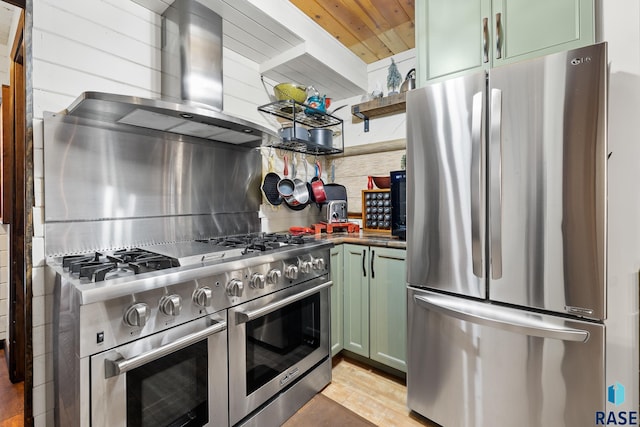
column 99, row 45
column 78, row 45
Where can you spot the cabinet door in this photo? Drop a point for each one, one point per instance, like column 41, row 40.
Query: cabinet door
column 337, row 295
column 356, row 299
column 388, row 307
column 528, row 29
column 449, row 37
column 457, row 37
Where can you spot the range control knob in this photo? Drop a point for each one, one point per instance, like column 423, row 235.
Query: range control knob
column 171, row 305
column 137, row 315
column 318, row 264
column 235, row 288
column 305, row 267
column 273, row 276
column 202, row 296
column 291, row 272
column 258, row 281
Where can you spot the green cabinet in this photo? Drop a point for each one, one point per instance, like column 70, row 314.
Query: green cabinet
column 356, row 299
column 375, row 309
column 337, row 295
column 455, row 37
column 388, row 308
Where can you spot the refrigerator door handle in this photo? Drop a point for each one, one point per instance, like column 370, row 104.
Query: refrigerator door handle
column 524, row 323
column 495, row 183
column 477, row 217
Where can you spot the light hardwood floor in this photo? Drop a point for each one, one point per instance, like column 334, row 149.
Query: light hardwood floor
column 11, row 398
column 372, row 394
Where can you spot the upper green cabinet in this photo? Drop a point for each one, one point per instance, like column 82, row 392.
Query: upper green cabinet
column 458, row 36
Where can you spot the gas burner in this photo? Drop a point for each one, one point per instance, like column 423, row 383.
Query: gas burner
column 257, row 242
column 73, row 262
column 126, row 262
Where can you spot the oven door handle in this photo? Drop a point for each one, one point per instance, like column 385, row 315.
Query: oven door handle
column 246, row 316
column 114, row 368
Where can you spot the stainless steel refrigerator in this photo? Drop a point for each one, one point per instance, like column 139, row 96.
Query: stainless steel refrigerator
column 506, row 238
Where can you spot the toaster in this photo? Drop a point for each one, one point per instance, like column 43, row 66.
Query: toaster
column 334, row 211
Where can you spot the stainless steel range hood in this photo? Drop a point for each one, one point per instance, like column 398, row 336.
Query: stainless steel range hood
column 192, row 88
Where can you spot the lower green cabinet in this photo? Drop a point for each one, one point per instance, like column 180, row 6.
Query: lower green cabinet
column 388, row 308
column 356, row 299
column 337, row 295
column 375, row 308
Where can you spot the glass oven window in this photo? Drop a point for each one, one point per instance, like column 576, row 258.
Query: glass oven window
column 171, row 391
column 281, row 339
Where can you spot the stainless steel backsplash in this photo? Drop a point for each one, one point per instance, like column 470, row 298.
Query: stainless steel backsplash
column 112, row 186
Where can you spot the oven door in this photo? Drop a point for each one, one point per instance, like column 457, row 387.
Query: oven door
column 176, row 377
column 273, row 341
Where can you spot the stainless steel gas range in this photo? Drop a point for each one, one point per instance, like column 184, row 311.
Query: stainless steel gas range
column 219, row 332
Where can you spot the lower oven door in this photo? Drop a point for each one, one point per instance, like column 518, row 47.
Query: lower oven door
column 176, row 377
column 273, row 341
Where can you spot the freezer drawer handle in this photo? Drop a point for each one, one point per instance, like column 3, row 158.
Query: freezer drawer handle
column 114, row 368
column 500, row 318
column 246, row 316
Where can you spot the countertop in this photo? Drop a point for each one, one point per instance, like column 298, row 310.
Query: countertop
column 364, row 238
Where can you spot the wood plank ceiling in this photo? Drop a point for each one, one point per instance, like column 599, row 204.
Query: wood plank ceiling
column 372, row 29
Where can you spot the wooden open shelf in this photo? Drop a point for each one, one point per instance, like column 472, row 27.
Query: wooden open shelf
column 379, row 107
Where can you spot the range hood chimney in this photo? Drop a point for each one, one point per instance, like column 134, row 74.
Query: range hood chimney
column 192, row 90
column 192, row 54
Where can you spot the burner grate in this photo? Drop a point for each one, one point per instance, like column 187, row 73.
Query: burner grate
column 258, row 242
column 125, row 262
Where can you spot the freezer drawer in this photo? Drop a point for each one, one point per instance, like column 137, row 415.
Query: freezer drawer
column 475, row 364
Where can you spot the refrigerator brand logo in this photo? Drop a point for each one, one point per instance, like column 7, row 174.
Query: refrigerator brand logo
column 578, row 61
column 615, row 395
